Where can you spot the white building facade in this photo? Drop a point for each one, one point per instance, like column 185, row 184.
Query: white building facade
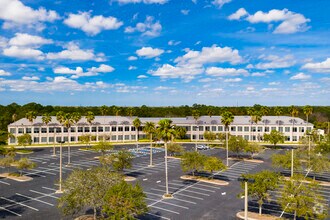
column 121, row 129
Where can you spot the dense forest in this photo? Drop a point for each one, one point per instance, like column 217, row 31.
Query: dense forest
column 320, row 114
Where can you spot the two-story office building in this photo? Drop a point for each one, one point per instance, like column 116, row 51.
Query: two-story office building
column 121, row 129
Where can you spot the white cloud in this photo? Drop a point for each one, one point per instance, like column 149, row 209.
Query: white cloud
column 321, row 67
column 142, row 77
column 220, row 3
column 233, row 80
column 14, row 12
column 275, row 62
column 3, row 42
column 169, row 71
column 218, row 71
column 4, row 73
column 173, row 43
column 212, row 54
column 102, row 69
column 300, row 76
column 274, row 83
column 30, row 78
column 149, row 52
column 238, row 14
column 21, row 52
column 132, row 58
column 142, row 1
column 22, row 39
column 132, row 68
column 66, row 70
column 159, row 88
column 258, row 74
column 291, row 22
column 73, row 52
column 185, row 11
column 269, row 89
column 148, row 28
column 92, row 25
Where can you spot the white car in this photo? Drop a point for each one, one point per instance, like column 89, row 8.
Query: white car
column 202, row 147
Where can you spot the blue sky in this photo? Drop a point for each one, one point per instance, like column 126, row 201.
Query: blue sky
column 165, row 52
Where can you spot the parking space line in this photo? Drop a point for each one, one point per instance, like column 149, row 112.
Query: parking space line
column 49, row 188
column 5, row 183
column 48, row 195
column 186, row 190
column 19, row 203
column 189, row 196
column 168, row 203
column 207, row 190
column 158, row 216
column 43, row 171
column 165, row 209
column 182, row 200
column 10, row 211
column 35, row 199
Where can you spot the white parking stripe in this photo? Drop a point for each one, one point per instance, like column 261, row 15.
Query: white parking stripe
column 5, row 183
column 186, row 190
column 35, row 199
column 167, row 203
column 49, row 188
column 165, row 209
column 189, row 196
column 182, row 200
column 10, row 211
column 49, row 195
column 19, row 203
column 158, row 216
column 207, row 190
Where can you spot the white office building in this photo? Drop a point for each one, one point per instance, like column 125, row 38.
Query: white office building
column 121, row 129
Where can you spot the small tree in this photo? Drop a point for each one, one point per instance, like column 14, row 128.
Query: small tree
column 274, row 137
column 210, row 136
column 25, row 164
column 175, row 149
column 120, row 161
column 85, row 139
column 192, row 161
column 253, row 148
column 24, row 140
column 124, row 201
column 237, row 144
column 264, row 181
column 102, row 146
column 213, row 163
column 302, row 199
column 6, row 162
column 284, row 161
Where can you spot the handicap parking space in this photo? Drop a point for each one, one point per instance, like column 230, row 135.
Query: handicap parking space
column 235, row 170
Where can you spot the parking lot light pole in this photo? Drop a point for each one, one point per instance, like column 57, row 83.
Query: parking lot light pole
column 292, row 162
column 60, row 183
column 246, row 180
column 197, row 133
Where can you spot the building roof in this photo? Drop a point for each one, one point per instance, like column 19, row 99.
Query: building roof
column 215, row 120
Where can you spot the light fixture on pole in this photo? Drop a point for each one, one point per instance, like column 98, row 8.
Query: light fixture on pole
column 60, row 182
column 246, row 180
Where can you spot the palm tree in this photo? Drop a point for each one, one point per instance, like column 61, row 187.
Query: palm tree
column 165, row 131
column 278, row 112
column 104, row 110
column 59, row 118
column 130, row 112
column 251, row 113
column 210, row 112
column 14, row 117
column 150, row 129
column 294, row 113
column 256, row 117
column 67, row 122
column 226, row 119
column 308, row 110
column 31, row 115
column 264, row 110
column 76, row 116
column 137, row 124
column 196, row 115
column 90, row 118
column 46, row 118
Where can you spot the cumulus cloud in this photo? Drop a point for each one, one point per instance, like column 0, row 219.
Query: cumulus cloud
column 142, row 77
column 276, row 62
column 132, row 68
column 73, row 52
column 30, row 78
column 142, row 1
column 220, row 3
column 212, row 54
column 79, row 72
column 14, row 12
column 92, row 25
column 66, row 70
column 233, row 80
column 185, row 11
column 321, row 67
column 22, row 39
column 290, row 22
column 218, row 71
column 300, row 76
column 102, row 69
column 168, row 71
column 173, row 43
column 4, row 73
column 132, row 58
column 149, row 52
column 22, row 52
column 148, row 28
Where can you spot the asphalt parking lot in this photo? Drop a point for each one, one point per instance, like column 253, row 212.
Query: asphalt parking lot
column 36, row 199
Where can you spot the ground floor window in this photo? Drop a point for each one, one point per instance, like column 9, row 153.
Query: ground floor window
column 43, row 139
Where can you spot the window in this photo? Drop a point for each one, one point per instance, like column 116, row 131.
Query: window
column 93, row 129
column 309, row 129
column 287, row 138
column 36, row 140
column 58, row 130
column 188, row 128
column 280, row 129
column 12, row 140
column 100, row 129
column 201, row 128
column 51, row 139
column 80, row 129
column 214, row 128
column 51, row 130
column 239, row 128
column 246, row 137
column 287, row 129
column 72, row 129
column 273, row 128
column 120, row 129
column 28, row 130
column 21, row 130
column 295, row 129
column 114, row 129
column 246, row 128
column 72, row 139
column 253, row 137
column 207, row 128
column 113, row 137
column 65, row 130
column 294, row 138
column 132, row 137
column 43, row 130
column 43, row 139
column 132, row 128
column 259, row 129
column 126, row 129
column 36, row 130
column 107, row 129
column 86, row 129
column 12, row 130
column 220, row 128
column 126, row 137
column 120, row 137
column 58, row 139
column 301, row 129
column 253, row 129
column 266, row 129
column 66, row 139
column 233, row 128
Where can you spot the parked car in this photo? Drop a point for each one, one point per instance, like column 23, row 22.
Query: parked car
column 202, row 147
